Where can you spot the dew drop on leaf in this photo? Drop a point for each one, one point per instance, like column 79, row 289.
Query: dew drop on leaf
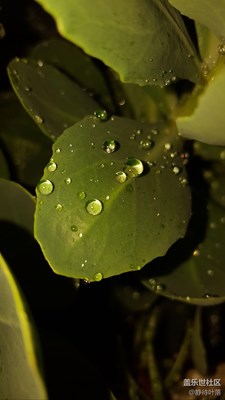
column 74, row 228
column 176, row 170
column 109, row 146
column 196, row 253
column 121, row 177
column 59, row 207
column 133, row 167
column 221, row 48
column 52, row 166
column 146, row 144
column 45, row 187
column 160, row 287
column 58, row 151
column 102, row 115
column 68, row 181
column 210, row 272
column 98, row 277
column 94, row 207
column 81, row 195
column 39, row 119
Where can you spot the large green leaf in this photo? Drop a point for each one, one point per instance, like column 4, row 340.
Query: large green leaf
column 52, row 99
column 207, row 122
column 199, row 279
column 144, row 41
column 72, row 61
column 129, row 222
column 16, row 205
column 19, row 371
column 207, row 12
column 27, row 149
column 208, row 46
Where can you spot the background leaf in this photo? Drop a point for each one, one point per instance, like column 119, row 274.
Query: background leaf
column 197, row 278
column 19, row 372
column 52, row 99
column 206, row 12
column 73, row 62
column 207, row 122
column 21, row 214
column 128, row 37
column 140, row 217
column 26, row 148
column 4, row 170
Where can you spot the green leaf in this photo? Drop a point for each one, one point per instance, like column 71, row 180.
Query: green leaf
column 207, row 122
column 19, row 371
column 209, row 152
column 208, row 45
column 138, row 39
column 22, row 213
column 198, row 279
column 73, row 62
column 4, row 170
column 206, row 12
column 52, row 99
column 130, row 222
column 26, row 148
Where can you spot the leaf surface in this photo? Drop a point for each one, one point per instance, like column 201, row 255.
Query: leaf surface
column 52, row 99
column 135, row 220
column 19, row 371
column 144, row 41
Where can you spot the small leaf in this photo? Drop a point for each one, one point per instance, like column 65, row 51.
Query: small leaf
column 117, row 199
column 206, row 12
column 50, row 97
column 199, row 278
column 73, row 62
column 27, row 149
column 23, row 213
column 19, row 370
column 128, row 37
column 207, row 122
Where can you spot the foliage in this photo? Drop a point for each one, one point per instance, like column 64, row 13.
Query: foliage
column 124, row 148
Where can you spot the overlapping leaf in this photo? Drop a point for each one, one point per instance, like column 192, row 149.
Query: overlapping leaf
column 130, row 221
column 19, row 371
column 128, row 37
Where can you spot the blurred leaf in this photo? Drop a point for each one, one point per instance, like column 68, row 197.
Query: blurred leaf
column 52, row 99
column 206, row 12
column 199, row 353
column 138, row 39
column 73, row 62
column 207, row 122
column 209, row 152
column 27, row 149
column 197, row 278
column 4, row 170
column 102, row 227
column 19, row 371
column 16, row 205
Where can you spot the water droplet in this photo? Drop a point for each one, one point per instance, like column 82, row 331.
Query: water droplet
column 183, row 181
column 121, row 177
column 107, row 197
column 133, row 167
column 27, row 88
column 45, row 187
column 210, row 272
column 74, row 228
column 160, row 287
column 176, row 170
column 154, row 131
column 68, row 181
column 102, row 115
column 59, row 207
column 196, row 253
column 98, row 277
column 146, row 144
column 81, row 195
column 109, row 146
column 39, row 119
column 207, row 296
column 52, row 166
column 221, row 48
column 167, row 146
column 58, row 151
column 40, row 63
column 212, row 225
column 188, row 298
column 222, row 220
column 94, row 207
